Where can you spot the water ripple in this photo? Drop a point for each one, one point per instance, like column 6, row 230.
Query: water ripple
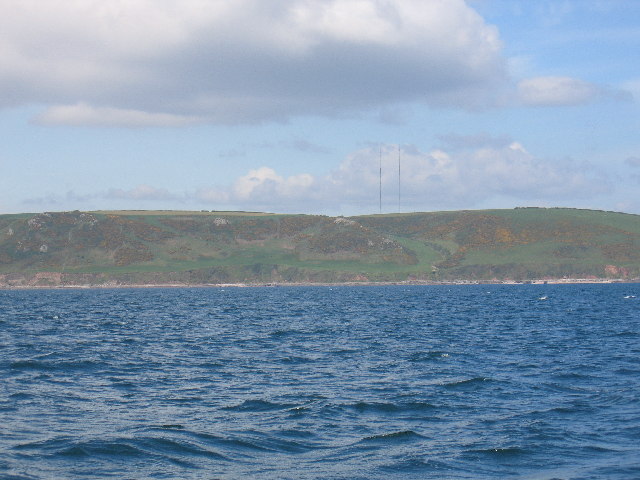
column 326, row 382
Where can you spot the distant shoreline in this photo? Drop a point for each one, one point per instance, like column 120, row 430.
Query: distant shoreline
column 562, row 281
column 130, row 249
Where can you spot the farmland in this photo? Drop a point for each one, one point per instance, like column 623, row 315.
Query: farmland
column 173, row 247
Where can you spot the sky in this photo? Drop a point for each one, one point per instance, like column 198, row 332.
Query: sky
column 296, row 106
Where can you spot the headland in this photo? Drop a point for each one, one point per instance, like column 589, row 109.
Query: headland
column 180, row 249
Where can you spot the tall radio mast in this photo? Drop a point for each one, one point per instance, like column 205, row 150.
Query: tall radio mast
column 380, row 178
column 398, row 178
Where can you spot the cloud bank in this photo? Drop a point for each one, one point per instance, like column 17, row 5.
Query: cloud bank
column 468, row 175
column 154, row 63
column 556, row 91
column 86, row 115
column 428, row 181
column 565, row 91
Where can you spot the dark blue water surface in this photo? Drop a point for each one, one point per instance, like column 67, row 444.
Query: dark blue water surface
column 461, row 382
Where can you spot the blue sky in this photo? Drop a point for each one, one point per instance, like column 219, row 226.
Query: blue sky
column 292, row 105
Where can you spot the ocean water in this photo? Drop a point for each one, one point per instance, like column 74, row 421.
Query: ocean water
column 393, row 382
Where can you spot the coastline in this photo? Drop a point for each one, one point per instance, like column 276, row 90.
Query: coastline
column 76, row 250
column 108, row 286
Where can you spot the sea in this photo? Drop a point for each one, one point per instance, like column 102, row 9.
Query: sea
column 342, row 382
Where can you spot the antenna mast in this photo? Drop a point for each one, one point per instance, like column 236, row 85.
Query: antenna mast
column 380, row 178
column 398, row 178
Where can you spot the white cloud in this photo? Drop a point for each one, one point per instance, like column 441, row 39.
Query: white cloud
column 456, row 142
column 555, row 91
column 429, row 180
column 105, row 62
column 439, row 179
column 83, row 114
column 264, row 184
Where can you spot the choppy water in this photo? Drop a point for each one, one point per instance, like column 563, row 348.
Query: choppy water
column 466, row 382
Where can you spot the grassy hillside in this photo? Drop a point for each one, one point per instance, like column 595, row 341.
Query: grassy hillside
column 226, row 247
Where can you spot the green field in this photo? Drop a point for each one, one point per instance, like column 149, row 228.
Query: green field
column 144, row 247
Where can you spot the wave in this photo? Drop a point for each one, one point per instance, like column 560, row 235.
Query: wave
column 295, row 360
column 568, row 376
column 498, row 452
column 393, row 437
column 421, row 357
column 626, row 333
column 283, row 441
column 34, row 364
column 214, row 396
column 259, row 406
column 283, row 333
column 48, row 445
column 601, row 449
column 21, row 396
column 18, row 477
column 244, row 444
column 93, row 448
column 171, row 448
column 386, row 407
column 416, row 464
column 466, row 382
column 174, row 446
